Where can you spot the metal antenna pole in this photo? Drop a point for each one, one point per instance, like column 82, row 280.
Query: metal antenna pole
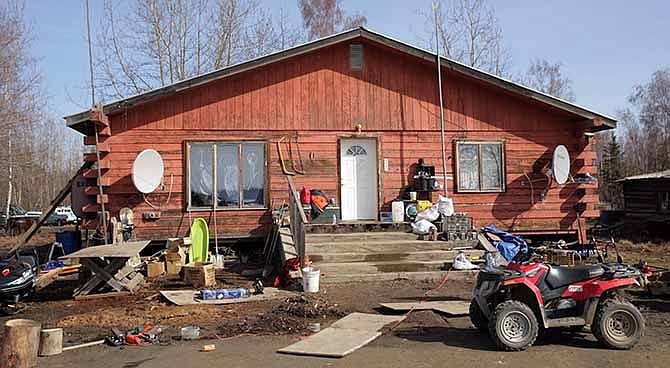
column 436, row 6
column 103, row 215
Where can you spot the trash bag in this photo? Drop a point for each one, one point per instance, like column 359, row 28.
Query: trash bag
column 431, row 214
column 422, row 227
column 461, row 262
column 445, row 206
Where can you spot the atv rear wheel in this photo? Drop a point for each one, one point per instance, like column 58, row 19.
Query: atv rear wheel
column 618, row 324
column 513, row 326
column 477, row 317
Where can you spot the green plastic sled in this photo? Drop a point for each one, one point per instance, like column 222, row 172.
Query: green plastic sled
column 199, row 241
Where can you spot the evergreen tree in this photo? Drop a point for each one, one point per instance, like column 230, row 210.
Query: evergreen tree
column 611, row 171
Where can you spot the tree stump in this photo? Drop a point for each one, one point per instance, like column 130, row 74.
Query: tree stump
column 51, row 342
column 20, row 343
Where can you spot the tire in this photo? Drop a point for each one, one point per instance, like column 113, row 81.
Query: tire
column 618, row 324
column 513, row 326
column 477, row 317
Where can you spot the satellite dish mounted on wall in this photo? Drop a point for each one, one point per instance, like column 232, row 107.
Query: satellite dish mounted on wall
column 147, row 172
column 560, row 165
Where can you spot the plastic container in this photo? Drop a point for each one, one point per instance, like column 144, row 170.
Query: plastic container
column 218, row 294
column 398, row 211
column 190, row 332
column 71, row 241
column 305, row 196
column 310, row 279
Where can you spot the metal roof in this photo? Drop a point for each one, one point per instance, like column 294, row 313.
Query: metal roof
column 665, row 174
column 361, row 32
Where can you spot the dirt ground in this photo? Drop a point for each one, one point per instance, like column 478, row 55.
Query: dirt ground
column 423, row 339
column 250, row 333
column 655, row 254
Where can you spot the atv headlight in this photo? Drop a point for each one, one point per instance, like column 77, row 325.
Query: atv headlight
column 25, row 276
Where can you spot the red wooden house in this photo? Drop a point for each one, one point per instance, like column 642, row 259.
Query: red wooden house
column 362, row 108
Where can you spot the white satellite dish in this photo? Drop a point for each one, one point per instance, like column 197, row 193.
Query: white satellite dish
column 561, row 164
column 147, row 171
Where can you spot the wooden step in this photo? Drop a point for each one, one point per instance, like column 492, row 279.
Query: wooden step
column 93, row 173
column 90, row 224
column 359, row 237
column 423, row 256
column 358, row 227
column 92, row 157
column 381, row 267
column 91, row 208
column 390, row 276
column 90, row 148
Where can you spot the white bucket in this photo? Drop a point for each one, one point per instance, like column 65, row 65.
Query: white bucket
column 310, row 279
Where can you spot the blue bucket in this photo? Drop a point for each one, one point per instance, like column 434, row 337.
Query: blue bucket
column 71, row 241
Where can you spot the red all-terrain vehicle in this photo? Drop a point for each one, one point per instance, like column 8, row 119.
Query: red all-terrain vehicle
column 515, row 302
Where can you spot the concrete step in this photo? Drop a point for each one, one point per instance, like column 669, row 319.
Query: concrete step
column 390, row 276
column 389, row 256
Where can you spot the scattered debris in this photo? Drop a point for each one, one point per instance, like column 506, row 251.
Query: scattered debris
column 84, row 345
column 190, row 332
column 343, row 337
column 191, row 297
column 312, row 306
column 451, row 307
column 208, row 348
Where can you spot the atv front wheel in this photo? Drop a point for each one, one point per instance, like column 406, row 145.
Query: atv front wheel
column 477, row 317
column 618, row 324
column 513, row 326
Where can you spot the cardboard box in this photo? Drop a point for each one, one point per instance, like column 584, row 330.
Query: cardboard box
column 200, row 274
column 155, row 269
column 176, row 254
column 173, row 267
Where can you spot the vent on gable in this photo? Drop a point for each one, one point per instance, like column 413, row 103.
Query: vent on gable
column 356, row 56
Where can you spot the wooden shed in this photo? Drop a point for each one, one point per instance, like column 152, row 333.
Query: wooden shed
column 647, row 203
column 362, row 109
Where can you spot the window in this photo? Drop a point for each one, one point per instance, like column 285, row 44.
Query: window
column 480, row 166
column 236, row 169
column 356, row 150
column 356, row 56
column 664, row 201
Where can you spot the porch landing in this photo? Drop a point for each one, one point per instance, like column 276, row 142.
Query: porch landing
column 374, row 251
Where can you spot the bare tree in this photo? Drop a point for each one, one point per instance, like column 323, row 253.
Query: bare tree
column 549, row 78
column 160, row 42
column 323, row 18
column 36, row 156
column 469, row 32
column 645, row 126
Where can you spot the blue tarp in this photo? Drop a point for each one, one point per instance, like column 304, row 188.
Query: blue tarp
column 509, row 245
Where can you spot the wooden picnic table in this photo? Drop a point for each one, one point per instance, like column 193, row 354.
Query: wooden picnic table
column 113, row 265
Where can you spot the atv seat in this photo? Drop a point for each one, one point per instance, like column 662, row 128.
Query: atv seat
column 559, row 276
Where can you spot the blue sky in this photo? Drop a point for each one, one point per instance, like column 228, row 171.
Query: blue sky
column 606, row 46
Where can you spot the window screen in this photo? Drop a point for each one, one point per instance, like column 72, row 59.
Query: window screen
column 239, row 169
column 253, row 184
column 200, row 180
column 480, row 166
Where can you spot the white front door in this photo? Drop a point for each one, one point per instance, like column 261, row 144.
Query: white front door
column 358, row 179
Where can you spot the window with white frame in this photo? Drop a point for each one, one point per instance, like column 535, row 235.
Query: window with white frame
column 236, row 169
column 480, row 166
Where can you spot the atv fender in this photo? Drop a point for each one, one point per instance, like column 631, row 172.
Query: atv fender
column 530, row 295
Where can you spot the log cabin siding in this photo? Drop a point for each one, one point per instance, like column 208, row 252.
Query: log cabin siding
column 319, row 99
